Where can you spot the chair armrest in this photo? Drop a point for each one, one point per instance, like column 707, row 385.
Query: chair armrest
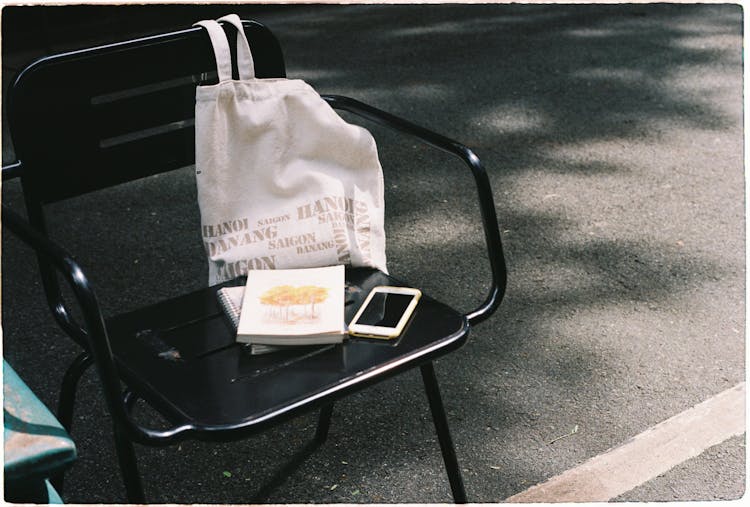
column 484, row 192
column 95, row 331
column 62, row 261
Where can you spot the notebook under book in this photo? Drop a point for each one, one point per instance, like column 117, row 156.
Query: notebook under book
column 230, row 299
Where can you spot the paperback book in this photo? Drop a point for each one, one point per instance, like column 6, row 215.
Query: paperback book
column 292, row 307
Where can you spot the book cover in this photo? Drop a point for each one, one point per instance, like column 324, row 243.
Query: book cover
column 293, row 307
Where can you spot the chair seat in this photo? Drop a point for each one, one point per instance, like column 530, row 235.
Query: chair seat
column 195, row 371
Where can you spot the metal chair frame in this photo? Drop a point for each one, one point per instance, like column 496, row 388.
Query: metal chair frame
column 69, row 166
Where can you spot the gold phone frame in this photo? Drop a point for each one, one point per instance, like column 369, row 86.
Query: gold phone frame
column 380, row 332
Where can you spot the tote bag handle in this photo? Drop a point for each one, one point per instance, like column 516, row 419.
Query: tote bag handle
column 245, row 64
column 220, row 44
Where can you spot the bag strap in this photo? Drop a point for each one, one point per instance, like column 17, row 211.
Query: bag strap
column 221, row 48
column 245, row 64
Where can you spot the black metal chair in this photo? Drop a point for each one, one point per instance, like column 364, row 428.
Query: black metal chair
column 119, row 98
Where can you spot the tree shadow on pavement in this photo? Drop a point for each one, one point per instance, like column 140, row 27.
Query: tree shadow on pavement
column 574, row 111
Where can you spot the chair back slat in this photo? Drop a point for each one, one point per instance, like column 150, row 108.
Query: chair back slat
column 93, row 118
column 144, row 109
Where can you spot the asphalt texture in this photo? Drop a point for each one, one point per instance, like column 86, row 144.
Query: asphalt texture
column 613, row 137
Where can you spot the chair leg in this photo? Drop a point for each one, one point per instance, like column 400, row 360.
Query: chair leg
column 68, row 390
column 128, row 467
column 324, row 422
column 444, row 436
column 66, row 402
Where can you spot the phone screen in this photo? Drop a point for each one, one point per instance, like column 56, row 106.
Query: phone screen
column 385, row 309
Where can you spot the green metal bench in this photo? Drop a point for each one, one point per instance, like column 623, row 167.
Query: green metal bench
column 36, row 445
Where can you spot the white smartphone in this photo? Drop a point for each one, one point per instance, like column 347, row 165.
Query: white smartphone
column 384, row 312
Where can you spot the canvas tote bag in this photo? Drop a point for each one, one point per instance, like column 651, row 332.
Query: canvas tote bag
column 282, row 180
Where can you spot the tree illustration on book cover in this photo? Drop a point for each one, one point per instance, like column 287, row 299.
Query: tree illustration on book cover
column 293, row 305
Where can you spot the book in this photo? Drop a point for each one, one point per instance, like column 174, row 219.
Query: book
column 230, row 300
column 292, row 307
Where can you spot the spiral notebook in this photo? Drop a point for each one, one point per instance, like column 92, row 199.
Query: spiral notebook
column 230, row 299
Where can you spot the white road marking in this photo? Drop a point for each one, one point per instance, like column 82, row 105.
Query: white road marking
column 645, row 456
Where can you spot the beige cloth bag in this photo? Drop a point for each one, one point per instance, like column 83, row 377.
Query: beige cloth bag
column 283, row 181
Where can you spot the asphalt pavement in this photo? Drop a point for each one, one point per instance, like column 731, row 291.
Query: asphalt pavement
column 613, row 136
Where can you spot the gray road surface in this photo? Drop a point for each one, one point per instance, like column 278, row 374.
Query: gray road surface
column 613, row 138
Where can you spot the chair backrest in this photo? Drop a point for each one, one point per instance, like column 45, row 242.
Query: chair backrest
column 89, row 119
